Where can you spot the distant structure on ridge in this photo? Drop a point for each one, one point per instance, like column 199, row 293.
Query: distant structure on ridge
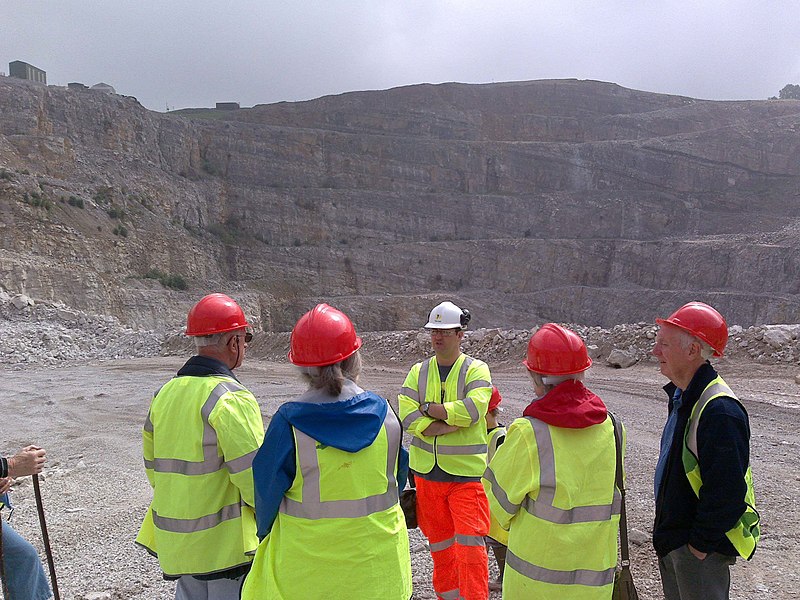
column 22, row 70
column 103, row 87
column 227, row 106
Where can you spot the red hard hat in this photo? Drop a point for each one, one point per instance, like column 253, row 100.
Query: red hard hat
column 702, row 321
column 496, row 398
column 323, row 336
column 215, row 313
column 555, row 350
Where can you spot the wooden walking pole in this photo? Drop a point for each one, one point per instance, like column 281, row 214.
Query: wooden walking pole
column 45, row 538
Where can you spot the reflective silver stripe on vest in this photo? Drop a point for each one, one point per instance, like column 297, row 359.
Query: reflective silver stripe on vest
column 443, row 545
column 415, row 441
column 237, row 465
column 211, row 462
column 422, row 380
column 499, row 493
column 148, row 424
column 461, row 391
column 478, row 383
column 576, row 577
column 450, row 595
column 313, row 507
column 470, row 540
column 543, row 507
column 411, row 393
column 717, row 389
column 226, row 513
column 411, row 418
column 579, row 514
column 470, row 449
column 469, row 402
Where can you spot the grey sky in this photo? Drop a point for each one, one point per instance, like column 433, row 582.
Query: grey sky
column 182, row 53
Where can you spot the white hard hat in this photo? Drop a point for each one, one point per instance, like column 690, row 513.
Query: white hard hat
column 447, row 316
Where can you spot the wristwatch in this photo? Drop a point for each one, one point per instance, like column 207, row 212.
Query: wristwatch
column 424, row 408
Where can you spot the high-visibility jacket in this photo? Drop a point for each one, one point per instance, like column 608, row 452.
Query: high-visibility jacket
column 465, row 395
column 340, row 533
column 745, row 534
column 495, row 531
column 199, row 439
column 554, row 489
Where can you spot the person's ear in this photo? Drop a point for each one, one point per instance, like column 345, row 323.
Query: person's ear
column 231, row 343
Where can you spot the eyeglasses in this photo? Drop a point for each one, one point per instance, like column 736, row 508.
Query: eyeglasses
column 248, row 337
column 443, row 332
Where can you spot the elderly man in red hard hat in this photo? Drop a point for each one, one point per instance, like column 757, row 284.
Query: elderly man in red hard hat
column 705, row 505
column 443, row 404
column 552, row 482
column 327, row 480
column 200, row 436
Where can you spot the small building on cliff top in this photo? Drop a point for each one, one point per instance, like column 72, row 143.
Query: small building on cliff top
column 22, row 70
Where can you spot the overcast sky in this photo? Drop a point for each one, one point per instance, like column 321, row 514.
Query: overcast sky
column 182, row 53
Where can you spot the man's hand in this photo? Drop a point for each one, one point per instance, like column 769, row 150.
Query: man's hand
column 697, row 553
column 439, row 428
column 5, row 484
column 28, row 461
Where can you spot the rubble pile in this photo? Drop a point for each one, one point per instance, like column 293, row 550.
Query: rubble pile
column 50, row 333
column 44, row 333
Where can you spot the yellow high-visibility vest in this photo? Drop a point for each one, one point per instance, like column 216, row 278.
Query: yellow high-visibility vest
column 465, row 394
column 495, row 531
column 554, row 489
column 339, row 533
column 745, row 534
column 200, row 438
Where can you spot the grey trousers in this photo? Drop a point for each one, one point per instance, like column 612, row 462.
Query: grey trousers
column 190, row 588
column 686, row 577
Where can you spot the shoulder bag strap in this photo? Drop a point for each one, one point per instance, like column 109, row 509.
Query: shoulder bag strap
column 620, row 483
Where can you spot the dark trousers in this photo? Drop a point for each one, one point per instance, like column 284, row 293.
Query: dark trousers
column 686, row 577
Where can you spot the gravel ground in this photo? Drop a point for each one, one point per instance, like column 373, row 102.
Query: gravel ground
column 89, row 416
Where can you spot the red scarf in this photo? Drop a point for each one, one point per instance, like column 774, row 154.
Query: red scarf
column 570, row 404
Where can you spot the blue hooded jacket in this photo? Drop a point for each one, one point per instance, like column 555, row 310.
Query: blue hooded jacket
column 349, row 422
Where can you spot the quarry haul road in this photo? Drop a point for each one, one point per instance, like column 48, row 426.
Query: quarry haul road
column 89, row 418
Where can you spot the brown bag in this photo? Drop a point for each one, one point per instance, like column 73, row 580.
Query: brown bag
column 408, row 502
column 623, row 580
column 623, row 585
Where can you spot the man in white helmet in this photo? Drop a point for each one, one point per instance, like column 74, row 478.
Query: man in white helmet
column 443, row 405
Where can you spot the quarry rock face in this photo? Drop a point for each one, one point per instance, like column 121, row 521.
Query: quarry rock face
column 568, row 201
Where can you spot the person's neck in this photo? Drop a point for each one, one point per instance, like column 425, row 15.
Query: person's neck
column 684, row 379
column 211, row 352
column 447, row 360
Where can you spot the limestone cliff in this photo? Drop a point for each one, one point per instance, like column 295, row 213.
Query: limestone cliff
column 565, row 200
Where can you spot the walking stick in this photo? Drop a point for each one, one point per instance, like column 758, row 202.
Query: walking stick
column 45, row 538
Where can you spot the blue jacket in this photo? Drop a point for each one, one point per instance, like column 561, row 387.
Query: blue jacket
column 723, row 443
column 350, row 425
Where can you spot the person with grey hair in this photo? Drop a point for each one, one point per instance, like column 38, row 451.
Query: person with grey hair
column 200, row 436
column 327, row 480
column 705, row 504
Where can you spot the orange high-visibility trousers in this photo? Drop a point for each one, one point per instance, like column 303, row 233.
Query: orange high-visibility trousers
column 455, row 518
